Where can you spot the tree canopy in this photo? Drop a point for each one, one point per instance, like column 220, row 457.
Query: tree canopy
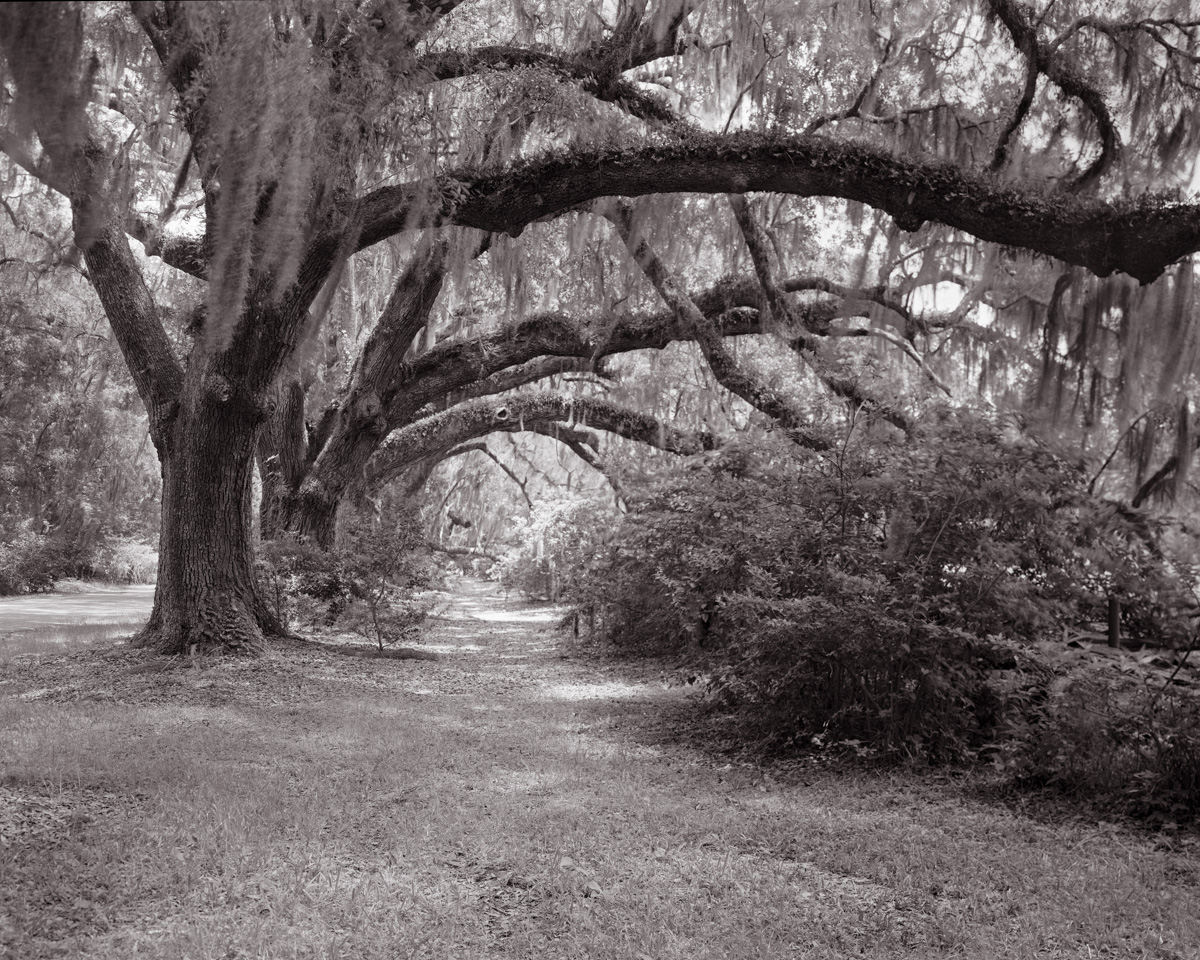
column 342, row 240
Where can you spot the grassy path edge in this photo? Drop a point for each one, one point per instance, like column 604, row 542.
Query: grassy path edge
column 503, row 801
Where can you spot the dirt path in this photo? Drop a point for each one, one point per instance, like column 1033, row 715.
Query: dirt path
column 508, row 800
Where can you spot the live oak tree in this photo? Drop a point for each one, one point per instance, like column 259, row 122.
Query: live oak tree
column 262, row 150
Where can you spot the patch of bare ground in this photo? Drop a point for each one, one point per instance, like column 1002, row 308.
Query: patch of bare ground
column 506, row 800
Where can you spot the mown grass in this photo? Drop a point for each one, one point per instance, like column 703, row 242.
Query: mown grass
column 61, row 637
column 518, row 821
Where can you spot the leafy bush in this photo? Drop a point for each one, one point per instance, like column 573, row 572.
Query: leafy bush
column 367, row 585
column 33, row 562
column 774, row 573
column 1106, row 729
column 868, row 594
column 383, row 564
column 297, row 580
column 126, row 560
column 555, row 546
column 22, row 568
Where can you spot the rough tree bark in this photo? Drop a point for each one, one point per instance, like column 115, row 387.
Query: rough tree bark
column 206, row 592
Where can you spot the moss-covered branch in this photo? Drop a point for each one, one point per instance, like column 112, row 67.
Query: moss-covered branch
column 1140, row 238
column 442, row 432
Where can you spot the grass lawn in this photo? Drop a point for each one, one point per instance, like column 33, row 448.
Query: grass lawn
column 502, row 802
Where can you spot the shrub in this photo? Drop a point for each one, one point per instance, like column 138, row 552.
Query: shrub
column 298, row 581
column 868, row 594
column 1110, row 730
column 556, row 545
column 772, row 572
column 126, row 560
column 367, row 585
column 383, row 563
column 33, row 562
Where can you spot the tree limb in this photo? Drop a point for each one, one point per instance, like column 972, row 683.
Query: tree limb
column 1141, row 240
column 1158, row 479
column 453, row 64
column 729, row 373
column 905, row 347
column 520, row 375
column 442, row 432
column 183, row 253
column 12, row 146
column 756, row 243
column 633, row 43
column 1022, row 25
column 183, row 59
column 584, row 445
column 1026, row 42
column 483, row 448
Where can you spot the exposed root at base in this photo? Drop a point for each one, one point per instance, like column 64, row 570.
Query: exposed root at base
column 241, row 644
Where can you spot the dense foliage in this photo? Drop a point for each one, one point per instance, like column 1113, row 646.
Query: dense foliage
column 369, row 584
column 77, row 470
column 555, row 546
column 903, row 600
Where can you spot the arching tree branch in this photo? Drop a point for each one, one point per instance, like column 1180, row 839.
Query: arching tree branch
column 584, row 445
column 843, row 386
column 482, row 447
column 1141, row 240
column 520, row 375
column 476, row 418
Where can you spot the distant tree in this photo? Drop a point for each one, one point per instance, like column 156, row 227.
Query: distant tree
column 77, row 469
column 295, row 136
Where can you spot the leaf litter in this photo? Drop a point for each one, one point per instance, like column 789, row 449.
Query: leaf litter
column 509, row 799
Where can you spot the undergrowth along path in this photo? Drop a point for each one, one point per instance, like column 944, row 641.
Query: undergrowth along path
column 507, row 800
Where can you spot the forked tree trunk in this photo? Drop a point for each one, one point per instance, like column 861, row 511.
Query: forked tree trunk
column 283, row 460
column 206, row 596
column 288, row 512
column 315, row 520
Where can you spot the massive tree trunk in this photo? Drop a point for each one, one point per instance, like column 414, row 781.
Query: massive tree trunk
column 205, row 421
column 206, row 595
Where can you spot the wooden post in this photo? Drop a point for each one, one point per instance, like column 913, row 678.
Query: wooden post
column 1114, row 621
